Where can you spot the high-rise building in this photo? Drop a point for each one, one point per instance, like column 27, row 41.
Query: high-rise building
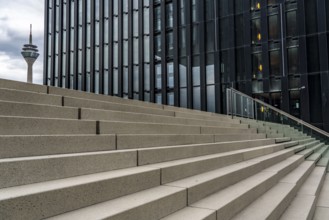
column 187, row 52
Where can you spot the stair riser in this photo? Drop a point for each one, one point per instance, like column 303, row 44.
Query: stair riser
column 213, row 130
column 91, row 114
column 144, row 141
column 68, row 199
column 86, row 103
column 105, row 98
column 36, row 126
column 24, row 171
column 149, row 156
column 24, row 146
column 205, row 117
column 132, row 128
column 238, row 137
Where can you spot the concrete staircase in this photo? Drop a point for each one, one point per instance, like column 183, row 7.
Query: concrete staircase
column 66, row 154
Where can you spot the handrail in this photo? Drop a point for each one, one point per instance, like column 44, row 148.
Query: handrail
column 285, row 114
column 293, row 118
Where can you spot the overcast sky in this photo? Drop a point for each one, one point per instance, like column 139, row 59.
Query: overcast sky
column 15, row 19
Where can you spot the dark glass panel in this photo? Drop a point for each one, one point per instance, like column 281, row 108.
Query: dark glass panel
column 275, row 63
column 292, row 60
column 292, row 23
column 273, row 27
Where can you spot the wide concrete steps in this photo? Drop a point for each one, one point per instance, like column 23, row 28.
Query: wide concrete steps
column 50, row 111
column 66, row 154
column 44, row 126
column 115, row 189
column 179, row 164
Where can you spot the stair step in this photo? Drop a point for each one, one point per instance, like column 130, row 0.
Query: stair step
column 37, row 110
column 44, row 126
column 202, row 185
column 33, row 201
column 303, row 205
column 106, row 115
column 99, row 97
column 307, row 140
column 106, row 127
column 163, row 154
column 189, row 213
column 308, row 152
column 273, row 203
column 94, row 104
column 141, row 205
column 324, row 161
column 222, row 118
column 38, row 145
column 29, row 97
column 234, row 198
column 283, row 139
column 178, row 169
column 131, row 141
column 20, row 171
column 15, row 85
column 316, row 156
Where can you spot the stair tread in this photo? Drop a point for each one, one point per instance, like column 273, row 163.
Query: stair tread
column 58, row 156
column 122, row 204
column 189, row 213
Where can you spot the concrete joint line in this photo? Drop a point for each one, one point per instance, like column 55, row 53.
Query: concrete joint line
column 137, row 161
column 62, row 100
column 79, row 113
column 116, row 141
column 97, row 127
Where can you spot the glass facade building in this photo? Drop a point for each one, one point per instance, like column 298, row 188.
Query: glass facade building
column 187, row 52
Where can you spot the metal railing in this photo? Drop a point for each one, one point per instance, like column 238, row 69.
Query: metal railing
column 242, row 105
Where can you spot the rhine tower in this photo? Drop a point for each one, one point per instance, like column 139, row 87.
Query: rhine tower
column 30, row 54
